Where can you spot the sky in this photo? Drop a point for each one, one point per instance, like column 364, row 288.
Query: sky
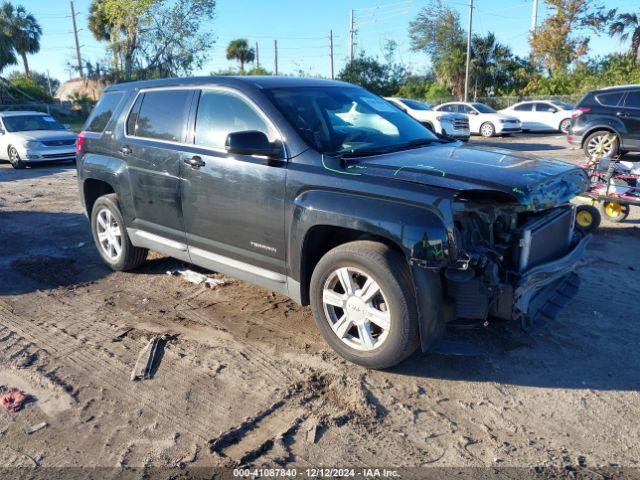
column 301, row 28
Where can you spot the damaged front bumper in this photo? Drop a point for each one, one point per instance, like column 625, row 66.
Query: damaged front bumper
column 542, row 291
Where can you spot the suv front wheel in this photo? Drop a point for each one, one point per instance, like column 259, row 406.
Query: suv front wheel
column 363, row 304
column 110, row 235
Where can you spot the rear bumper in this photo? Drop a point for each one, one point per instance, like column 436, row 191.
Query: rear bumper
column 543, row 290
column 575, row 140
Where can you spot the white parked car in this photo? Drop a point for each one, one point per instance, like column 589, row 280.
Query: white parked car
column 483, row 119
column 542, row 115
column 27, row 137
column 455, row 125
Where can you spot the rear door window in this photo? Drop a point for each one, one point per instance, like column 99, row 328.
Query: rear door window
column 610, row 99
column 103, row 112
column 163, row 115
column 545, row 107
column 525, row 107
column 221, row 113
column 633, row 99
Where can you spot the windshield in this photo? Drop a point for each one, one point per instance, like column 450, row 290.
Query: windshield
column 348, row 120
column 26, row 123
column 562, row 105
column 482, row 108
column 414, row 105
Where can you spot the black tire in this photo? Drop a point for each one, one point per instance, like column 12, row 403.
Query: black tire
column 487, row 129
column 390, row 271
column 588, row 218
column 564, row 126
column 614, row 212
column 130, row 257
column 615, row 146
column 14, row 158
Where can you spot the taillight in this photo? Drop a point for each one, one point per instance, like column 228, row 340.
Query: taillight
column 79, row 143
column 579, row 111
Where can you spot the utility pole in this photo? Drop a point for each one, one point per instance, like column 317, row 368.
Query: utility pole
column 275, row 47
column 351, row 35
column 49, row 84
column 257, row 56
column 534, row 17
column 466, row 74
column 75, row 34
column 331, row 51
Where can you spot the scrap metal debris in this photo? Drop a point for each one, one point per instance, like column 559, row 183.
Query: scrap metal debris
column 197, row 278
column 36, row 427
column 12, row 400
column 147, row 359
column 120, row 334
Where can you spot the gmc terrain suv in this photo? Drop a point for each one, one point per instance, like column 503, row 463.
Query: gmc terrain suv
column 610, row 110
column 329, row 194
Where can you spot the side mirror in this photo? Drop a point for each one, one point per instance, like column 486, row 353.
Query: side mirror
column 251, row 142
column 473, row 112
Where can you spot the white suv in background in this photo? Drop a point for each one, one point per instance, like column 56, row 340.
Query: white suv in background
column 483, row 119
column 27, row 137
column 454, row 125
column 542, row 115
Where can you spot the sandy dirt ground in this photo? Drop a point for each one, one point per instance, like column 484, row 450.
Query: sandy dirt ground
column 245, row 379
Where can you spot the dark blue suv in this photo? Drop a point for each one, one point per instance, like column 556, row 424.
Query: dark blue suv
column 610, row 110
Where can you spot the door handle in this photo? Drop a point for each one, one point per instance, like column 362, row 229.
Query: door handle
column 125, row 150
column 194, row 162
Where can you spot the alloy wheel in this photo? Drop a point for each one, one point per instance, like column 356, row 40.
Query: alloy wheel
column 14, row 157
column 356, row 308
column 564, row 125
column 487, row 130
column 109, row 234
column 594, row 144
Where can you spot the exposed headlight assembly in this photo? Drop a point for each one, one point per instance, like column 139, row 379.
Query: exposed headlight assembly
column 32, row 144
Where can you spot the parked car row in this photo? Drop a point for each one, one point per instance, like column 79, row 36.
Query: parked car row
column 461, row 119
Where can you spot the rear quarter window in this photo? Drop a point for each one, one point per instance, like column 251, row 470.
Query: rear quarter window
column 609, row 99
column 103, row 111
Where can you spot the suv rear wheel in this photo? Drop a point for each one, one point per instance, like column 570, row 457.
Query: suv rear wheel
column 363, row 304
column 564, row 125
column 592, row 142
column 110, row 235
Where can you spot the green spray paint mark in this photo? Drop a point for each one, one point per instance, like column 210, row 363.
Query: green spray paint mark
column 437, row 250
column 337, row 171
column 425, row 167
column 361, row 167
column 517, row 190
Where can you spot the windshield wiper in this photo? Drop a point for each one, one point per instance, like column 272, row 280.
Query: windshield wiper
column 389, row 148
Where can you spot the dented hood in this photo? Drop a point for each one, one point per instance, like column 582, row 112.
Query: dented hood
column 531, row 181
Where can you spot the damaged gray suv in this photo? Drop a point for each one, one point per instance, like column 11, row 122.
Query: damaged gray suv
column 328, row 194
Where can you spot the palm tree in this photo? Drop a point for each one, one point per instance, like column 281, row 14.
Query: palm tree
column 239, row 50
column 24, row 30
column 7, row 53
column 490, row 62
column 625, row 25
